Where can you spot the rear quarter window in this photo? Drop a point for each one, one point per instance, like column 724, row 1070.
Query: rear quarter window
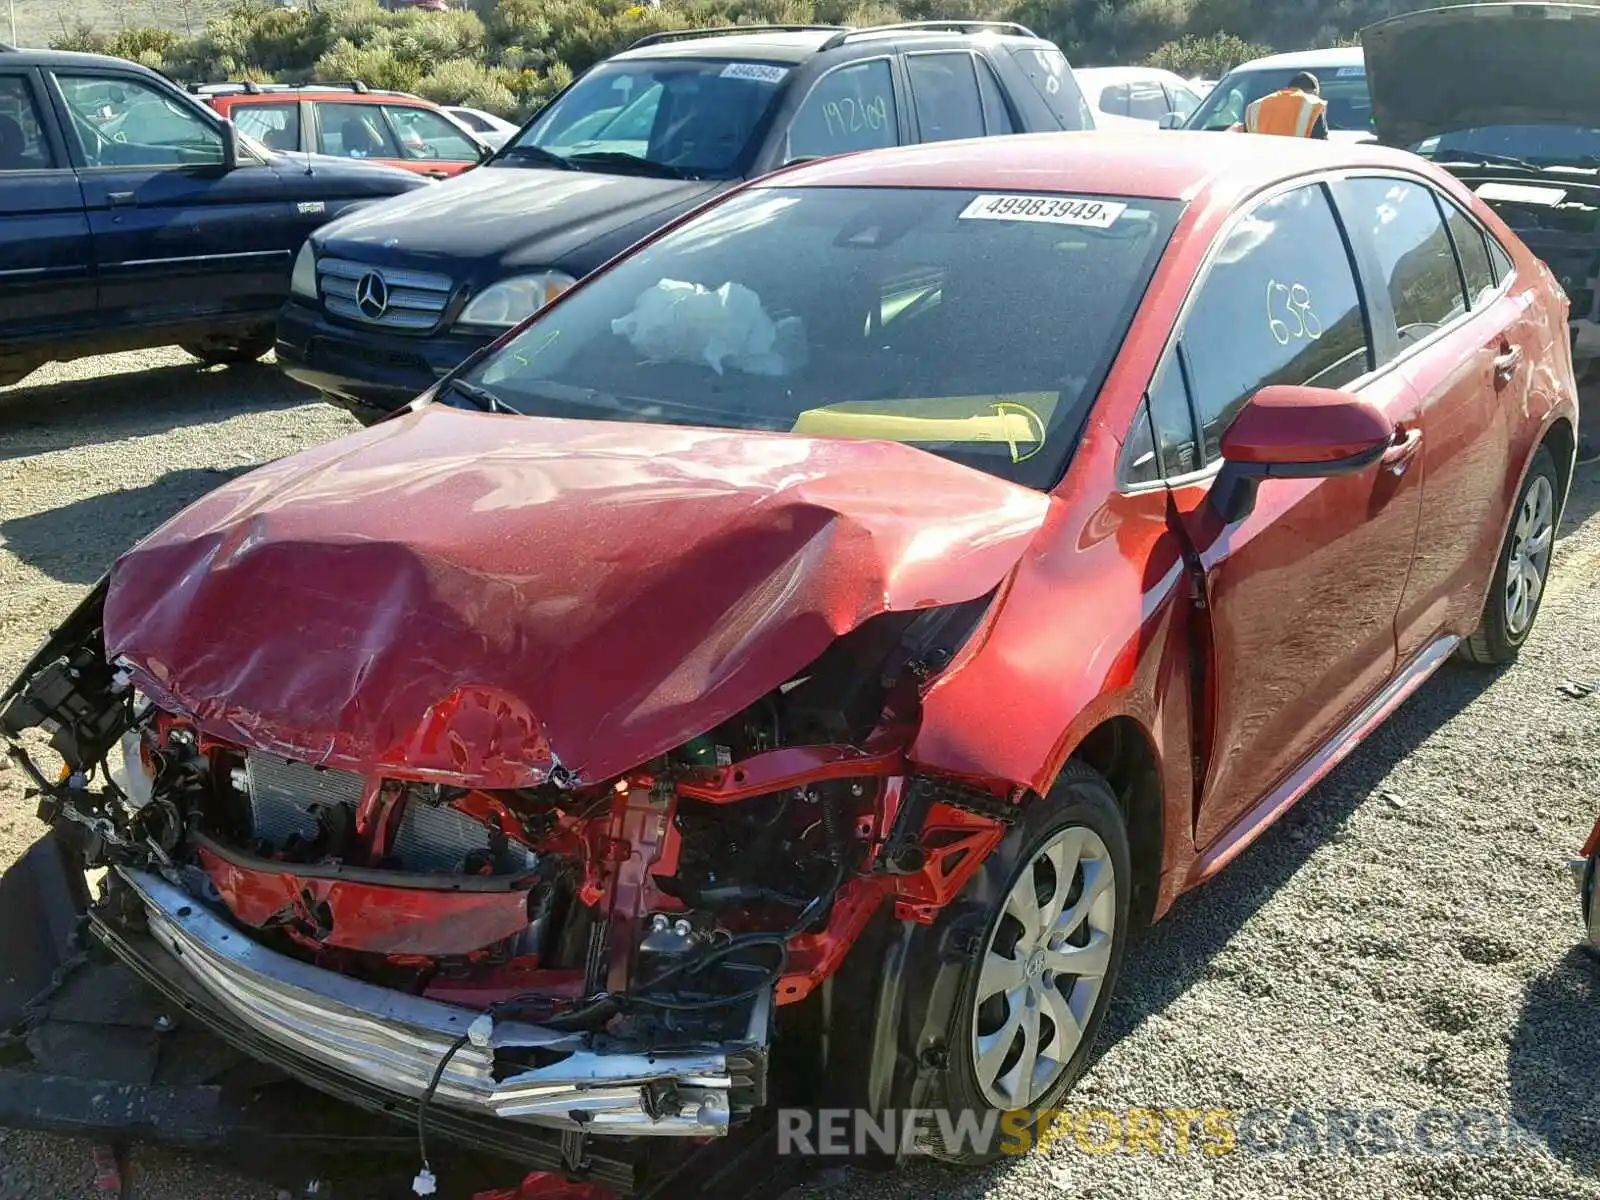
column 1046, row 69
column 1472, row 248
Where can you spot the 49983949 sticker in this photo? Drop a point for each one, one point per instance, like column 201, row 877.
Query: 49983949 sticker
column 1052, row 210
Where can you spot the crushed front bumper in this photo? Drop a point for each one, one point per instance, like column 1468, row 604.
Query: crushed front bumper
column 396, row 1041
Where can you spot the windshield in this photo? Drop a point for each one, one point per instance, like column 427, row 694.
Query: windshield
column 690, row 117
column 1344, row 88
column 976, row 326
column 1541, row 145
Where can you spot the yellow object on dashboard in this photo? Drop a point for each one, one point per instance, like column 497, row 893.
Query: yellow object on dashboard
column 1018, row 420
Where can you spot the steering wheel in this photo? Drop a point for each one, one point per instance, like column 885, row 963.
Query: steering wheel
column 93, row 153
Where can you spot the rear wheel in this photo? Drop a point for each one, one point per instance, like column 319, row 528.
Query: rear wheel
column 231, row 349
column 1034, row 995
column 1524, row 566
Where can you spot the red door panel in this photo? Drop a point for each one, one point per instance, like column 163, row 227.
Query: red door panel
column 1303, row 594
column 1468, row 384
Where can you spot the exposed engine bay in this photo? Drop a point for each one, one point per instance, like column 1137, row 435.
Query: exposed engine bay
column 610, row 955
column 1558, row 216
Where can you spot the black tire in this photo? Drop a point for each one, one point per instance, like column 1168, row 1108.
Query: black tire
column 1504, row 626
column 1080, row 799
column 230, row 349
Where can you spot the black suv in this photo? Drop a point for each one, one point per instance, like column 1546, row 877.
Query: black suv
column 131, row 215
column 386, row 302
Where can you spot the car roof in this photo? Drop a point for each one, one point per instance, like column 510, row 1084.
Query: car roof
column 802, row 44
column 27, row 56
column 1306, row 60
column 791, row 46
column 1158, row 164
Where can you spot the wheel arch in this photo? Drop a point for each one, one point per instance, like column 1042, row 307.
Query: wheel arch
column 1123, row 753
column 1562, row 442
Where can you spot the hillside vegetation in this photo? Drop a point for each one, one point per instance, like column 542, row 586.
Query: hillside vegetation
column 509, row 56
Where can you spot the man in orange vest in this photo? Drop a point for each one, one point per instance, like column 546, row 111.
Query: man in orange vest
column 1295, row 111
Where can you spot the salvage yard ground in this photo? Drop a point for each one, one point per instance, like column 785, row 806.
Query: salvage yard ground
column 1405, row 940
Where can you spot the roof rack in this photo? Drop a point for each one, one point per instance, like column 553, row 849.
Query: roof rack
column 251, row 88
column 674, row 35
column 845, row 35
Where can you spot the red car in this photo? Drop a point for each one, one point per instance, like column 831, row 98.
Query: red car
column 350, row 121
column 830, row 628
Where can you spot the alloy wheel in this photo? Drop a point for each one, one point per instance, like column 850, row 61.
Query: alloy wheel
column 1043, row 968
column 1531, row 540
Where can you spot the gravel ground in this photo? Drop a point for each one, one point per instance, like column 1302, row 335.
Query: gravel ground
column 1404, row 940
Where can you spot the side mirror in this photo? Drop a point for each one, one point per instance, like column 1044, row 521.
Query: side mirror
column 1171, row 120
column 230, row 145
column 1300, row 433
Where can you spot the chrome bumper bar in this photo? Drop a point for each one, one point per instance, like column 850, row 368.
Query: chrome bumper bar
column 395, row 1041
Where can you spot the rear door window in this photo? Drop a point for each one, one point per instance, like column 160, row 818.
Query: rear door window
column 22, row 141
column 427, row 137
column 850, row 108
column 354, row 131
column 944, row 92
column 1278, row 305
column 275, row 126
column 1402, row 218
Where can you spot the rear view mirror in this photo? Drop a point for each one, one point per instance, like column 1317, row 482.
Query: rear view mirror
column 1171, row 120
column 1300, row 433
column 230, row 145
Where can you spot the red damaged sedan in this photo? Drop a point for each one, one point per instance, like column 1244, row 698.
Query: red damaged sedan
column 832, row 626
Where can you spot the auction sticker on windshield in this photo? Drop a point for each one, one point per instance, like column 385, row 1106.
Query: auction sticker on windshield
column 762, row 72
column 1055, row 210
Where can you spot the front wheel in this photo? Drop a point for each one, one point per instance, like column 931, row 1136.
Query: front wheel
column 1522, row 570
column 1033, row 997
column 230, row 349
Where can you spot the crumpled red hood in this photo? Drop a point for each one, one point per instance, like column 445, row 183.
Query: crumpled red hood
column 484, row 598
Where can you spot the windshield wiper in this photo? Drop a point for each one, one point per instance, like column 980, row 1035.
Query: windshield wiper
column 1483, row 158
column 619, row 158
column 481, row 396
column 539, row 155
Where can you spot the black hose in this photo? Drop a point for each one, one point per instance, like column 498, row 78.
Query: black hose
column 422, row 1112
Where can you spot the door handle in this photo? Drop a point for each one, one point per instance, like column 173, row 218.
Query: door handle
column 1506, row 363
column 121, row 199
column 1402, row 451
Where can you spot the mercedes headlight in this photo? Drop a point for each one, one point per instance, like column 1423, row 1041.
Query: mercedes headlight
column 511, row 301
column 303, row 282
